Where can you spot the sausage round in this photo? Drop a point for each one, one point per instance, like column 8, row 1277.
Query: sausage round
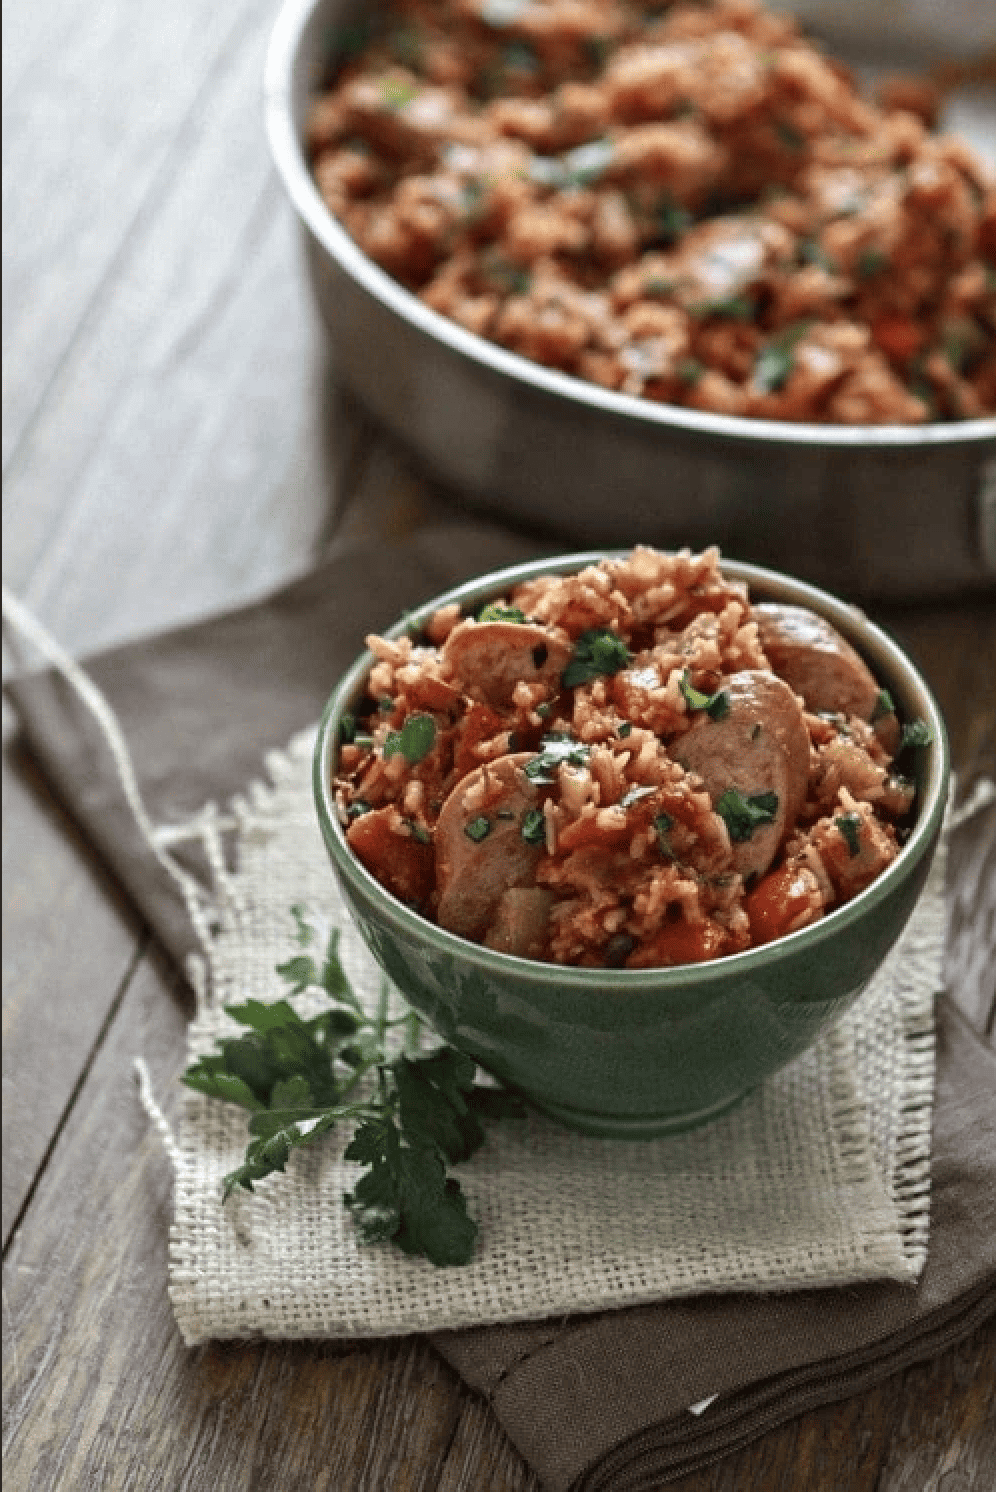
column 760, row 746
column 473, row 872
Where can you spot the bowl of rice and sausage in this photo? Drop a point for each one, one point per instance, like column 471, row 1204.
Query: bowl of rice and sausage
column 632, row 828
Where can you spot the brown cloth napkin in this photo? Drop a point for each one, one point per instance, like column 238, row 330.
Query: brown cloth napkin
column 593, row 1402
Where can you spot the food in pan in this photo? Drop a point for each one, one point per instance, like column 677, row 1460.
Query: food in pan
column 689, row 203
column 629, row 766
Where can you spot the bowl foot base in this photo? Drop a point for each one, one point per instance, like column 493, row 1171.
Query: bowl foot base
column 642, row 1127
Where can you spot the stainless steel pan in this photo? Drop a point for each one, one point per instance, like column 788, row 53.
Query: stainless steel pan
column 885, row 511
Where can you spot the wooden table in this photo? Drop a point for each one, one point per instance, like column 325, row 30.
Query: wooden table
column 174, row 442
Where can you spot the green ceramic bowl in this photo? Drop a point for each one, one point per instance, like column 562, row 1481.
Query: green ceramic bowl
column 638, row 1053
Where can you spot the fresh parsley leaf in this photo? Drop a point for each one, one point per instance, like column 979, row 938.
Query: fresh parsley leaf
column 776, row 360
column 849, row 825
column 735, row 307
column 871, row 262
column 533, row 828
column 716, row 706
column 690, row 370
column 883, row 706
column 494, row 612
column 414, row 740
column 916, row 733
column 299, row 1078
column 587, row 163
column 555, row 750
column 597, row 651
column 743, row 815
column 478, row 828
column 663, row 824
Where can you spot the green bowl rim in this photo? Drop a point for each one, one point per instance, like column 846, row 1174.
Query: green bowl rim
column 871, row 641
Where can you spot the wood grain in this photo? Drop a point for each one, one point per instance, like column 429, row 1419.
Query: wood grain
column 58, row 901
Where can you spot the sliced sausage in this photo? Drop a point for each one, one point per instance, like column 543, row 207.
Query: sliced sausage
column 822, row 666
column 760, row 746
column 474, row 869
column 521, row 922
column 488, row 659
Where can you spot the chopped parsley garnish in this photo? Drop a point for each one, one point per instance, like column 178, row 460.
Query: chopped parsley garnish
column 587, row 163
column 716, row 706
column 478, row 828
column 358, row 808
column 385, row 705
column 350, row 41
column 871, row 262
column 916, row 733
column 414, row 740
column 625, row 729
column 496, row 612
column 420, row 835
column 883, row 706
column 743, row 815
column 555, row 750
column 347, row 728
column 690, row 370
column 736, row 308
column 597, row 651
column 812, row 252
column 511, row 278
column 670, row 221
column 663, row 824
column 534, row 826
column 789, row 135
column 775, row 361
column 849, row 825
column 414, row 1115
column 597, row 50
column 397, row 92
column 520, row 57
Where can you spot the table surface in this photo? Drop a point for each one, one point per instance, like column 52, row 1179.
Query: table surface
column 175, row 442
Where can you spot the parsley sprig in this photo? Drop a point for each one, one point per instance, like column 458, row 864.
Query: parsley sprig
column 716, row 706
column 744, row 815
column 597, row 651
column 556, row 749
column 416, row 1114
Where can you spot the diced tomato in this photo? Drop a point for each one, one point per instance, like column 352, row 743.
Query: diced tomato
column 897, row 336
column 399, row 861
column 682, row 943
column 776, row 901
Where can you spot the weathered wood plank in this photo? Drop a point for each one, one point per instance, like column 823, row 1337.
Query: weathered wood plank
column 95, row 104
column 71, row 936
column 183, row 445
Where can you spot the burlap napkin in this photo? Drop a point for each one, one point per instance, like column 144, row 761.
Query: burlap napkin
column 599, row 1401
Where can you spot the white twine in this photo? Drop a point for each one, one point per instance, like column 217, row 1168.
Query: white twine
column 26, row 627
column 156, row 1116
